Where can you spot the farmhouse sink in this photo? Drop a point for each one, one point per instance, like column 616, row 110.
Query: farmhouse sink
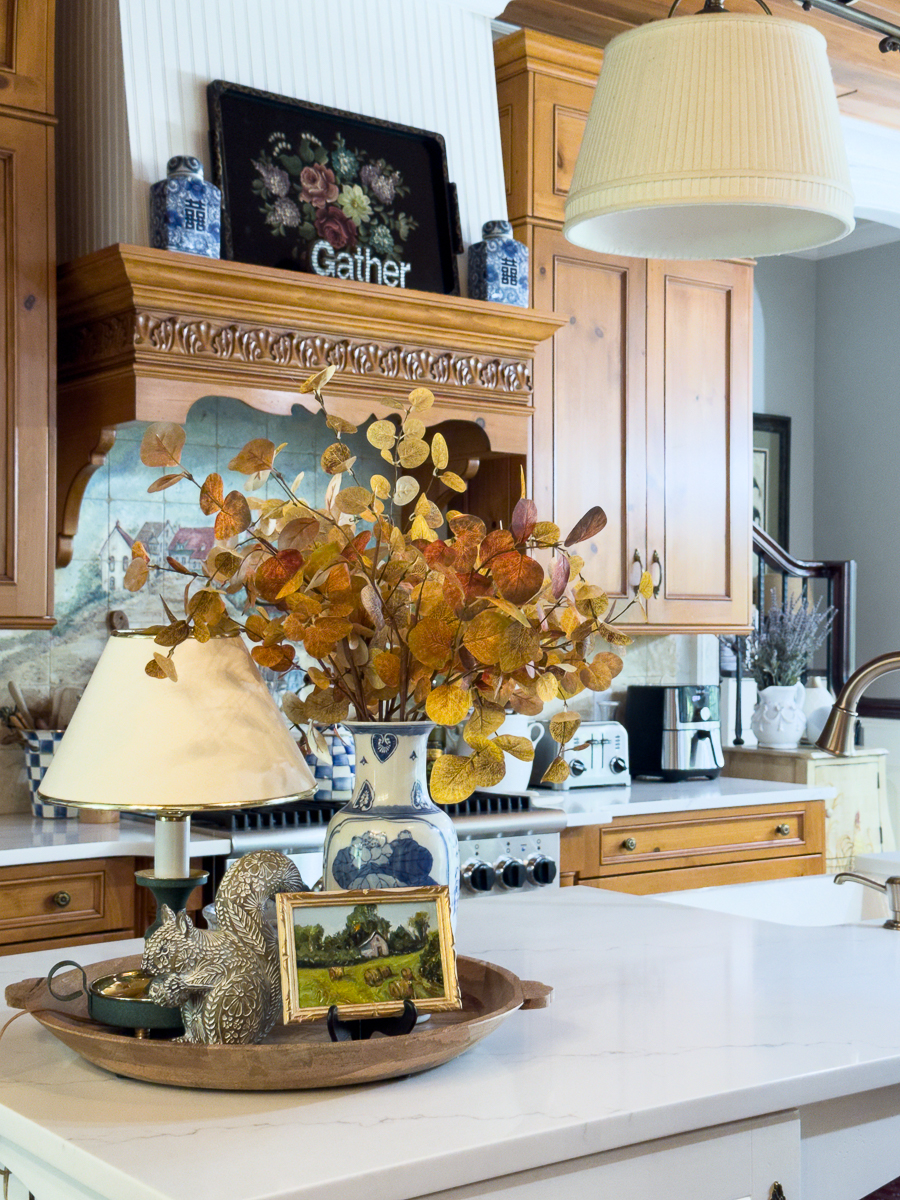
column 810, row 900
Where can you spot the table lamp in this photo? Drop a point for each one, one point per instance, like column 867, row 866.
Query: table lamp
column 213, row 739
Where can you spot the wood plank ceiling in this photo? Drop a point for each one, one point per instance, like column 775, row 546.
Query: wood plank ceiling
column 867, row 82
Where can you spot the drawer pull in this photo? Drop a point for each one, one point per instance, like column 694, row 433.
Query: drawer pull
column 62, row 899
column 784, row 830
column 629, row 844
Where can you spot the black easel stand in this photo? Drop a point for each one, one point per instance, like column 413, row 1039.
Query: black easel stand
column 360, row 1031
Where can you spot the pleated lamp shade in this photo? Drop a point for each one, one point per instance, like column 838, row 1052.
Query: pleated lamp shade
column 712, row 136
column 213, row 739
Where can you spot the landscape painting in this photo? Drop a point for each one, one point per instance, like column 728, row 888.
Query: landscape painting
column 366, row 952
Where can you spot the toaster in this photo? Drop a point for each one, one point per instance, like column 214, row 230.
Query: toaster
column 602, row 759
column 674, row 731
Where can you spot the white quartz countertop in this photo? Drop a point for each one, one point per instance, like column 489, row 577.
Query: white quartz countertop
column 600, row 805
column 25, row 839
column 665, row 1019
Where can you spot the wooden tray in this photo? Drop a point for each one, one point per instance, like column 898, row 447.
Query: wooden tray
column 293, row 1056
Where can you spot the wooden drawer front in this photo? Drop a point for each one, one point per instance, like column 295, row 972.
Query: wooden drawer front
column 648, row 883
column 702, row 836
column 100, row 895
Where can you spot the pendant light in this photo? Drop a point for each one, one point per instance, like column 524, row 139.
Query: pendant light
column 712, row 136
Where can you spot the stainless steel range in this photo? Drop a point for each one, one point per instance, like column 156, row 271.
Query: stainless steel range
column 506, row 844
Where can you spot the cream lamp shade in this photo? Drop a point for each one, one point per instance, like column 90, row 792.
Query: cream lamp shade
column 712, row 136
column 213, row 739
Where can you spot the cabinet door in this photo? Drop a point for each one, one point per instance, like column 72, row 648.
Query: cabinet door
column 589, row 401
column 699, row 440
column 27, row 348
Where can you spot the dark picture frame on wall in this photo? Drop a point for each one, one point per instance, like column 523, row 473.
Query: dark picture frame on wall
column 772, row 475
column 316, row 189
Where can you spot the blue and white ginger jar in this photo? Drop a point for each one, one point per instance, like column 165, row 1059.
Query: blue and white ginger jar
column 185, row 210
column 498, row 266
column 391, row 834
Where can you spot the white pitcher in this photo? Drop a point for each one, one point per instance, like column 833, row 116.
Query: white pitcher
column 779, row 721
column 518, row 773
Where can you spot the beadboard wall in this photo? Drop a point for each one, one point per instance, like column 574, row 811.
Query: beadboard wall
column 132, row 76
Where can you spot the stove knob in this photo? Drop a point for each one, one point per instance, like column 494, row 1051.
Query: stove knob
column 478, row 876
column 577, row 767
column 618, row 765
column 511, row 873
column 541, row 869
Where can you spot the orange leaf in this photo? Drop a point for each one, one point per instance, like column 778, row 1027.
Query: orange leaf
column 275, row 571
column 298, row 534
column 165, row 481
column 483, row 635
column 322, row 637
column 498, row 541
column 387, row 666
column 431, row 641
column 277, row 658
column 136, row 575
column 162, row 444
column 517, row 576
column 211, row 494
column 518, row 647
column 234, row 517
column 257, row 456
column 467, row 527
column 176, row 566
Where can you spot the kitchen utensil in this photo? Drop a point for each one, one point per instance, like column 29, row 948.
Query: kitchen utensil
column 68, row 702
column 20, row 704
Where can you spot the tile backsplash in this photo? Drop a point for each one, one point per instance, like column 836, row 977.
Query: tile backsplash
column 117, row 510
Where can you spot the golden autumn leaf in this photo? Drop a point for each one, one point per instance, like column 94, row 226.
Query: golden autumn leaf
column 564, row 726
column 431, row 641
column 162, row 444
column 166, row 665
column 448, row 704
column 382, row 434
column 387, row 665
column 545, row 533
column 206, row 605
column 483, row 635
column 335, row 458
column 466, row 527
column 222, row 564
column 484, row 721
column 452, row 779
column 277, row 658
column 178, row 567
column 420, row 530
column 557, row 772
column 211, row 494
column 440, row 454
column 321, row 638
column 293, row 708
column 412, row 452
column 353, row 501
column 488, row 765
column 166, row 481
column 591, row 523
column 547, row 687
column 154, row 670
column 519, row 747
column 614, row 636
column 498, row 541
column 645, row 587
column 339, row 425
column 233, row 518
column 256, row 457
column 298, row 534
column 421, row 399
column 174, row 634
column 275, row 571
column 599, row 673
column 136, row 575
column 327, row 708
column 517, row 576
column 518, row 647
column 453, row 481
column 511, row 610
column 529, row 706
column 380, row 486
column 315, row 383
column 590, row 600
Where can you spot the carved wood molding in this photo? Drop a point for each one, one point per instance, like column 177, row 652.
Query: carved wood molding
column 88, row 348
column 145, row 333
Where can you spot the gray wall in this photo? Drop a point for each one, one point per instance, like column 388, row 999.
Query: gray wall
column 784, row 339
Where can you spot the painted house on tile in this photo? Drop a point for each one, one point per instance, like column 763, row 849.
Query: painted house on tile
column 190, row 547
column 115, row 555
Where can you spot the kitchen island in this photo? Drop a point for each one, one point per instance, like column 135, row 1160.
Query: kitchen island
column 687, row 1054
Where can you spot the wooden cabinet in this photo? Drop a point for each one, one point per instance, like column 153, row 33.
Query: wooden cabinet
column 27, row 320
column 66, row 904
column 650, row 853
column 642, row 400
column 857, row 820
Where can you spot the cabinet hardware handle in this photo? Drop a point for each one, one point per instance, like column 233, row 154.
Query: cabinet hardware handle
column 656, row 561
column 62, row 899
column 629, row 844
column 638, row 562
column 784, row 830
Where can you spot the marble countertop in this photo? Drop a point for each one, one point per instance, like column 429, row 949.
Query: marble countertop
column 665, row 1019
column 25, row 839
column 600, row 805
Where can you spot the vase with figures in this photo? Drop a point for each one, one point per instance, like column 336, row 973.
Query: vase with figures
column 391, row 834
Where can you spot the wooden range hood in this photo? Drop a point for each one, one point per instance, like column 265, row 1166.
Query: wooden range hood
column 145, row 333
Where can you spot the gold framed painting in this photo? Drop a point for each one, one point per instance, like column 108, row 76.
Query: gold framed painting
column 366, row 952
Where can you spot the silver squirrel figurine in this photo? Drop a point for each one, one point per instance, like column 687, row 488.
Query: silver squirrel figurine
column 225, row 981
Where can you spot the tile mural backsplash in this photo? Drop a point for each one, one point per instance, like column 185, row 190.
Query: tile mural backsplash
column 117, row 510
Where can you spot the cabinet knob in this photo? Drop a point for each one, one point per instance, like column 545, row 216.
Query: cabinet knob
column 784, row 829
column 629, row 844
column 62, row 899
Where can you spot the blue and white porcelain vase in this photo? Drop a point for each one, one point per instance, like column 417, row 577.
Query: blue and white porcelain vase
column 498, row 266
column 185, row 210
column 391, row 834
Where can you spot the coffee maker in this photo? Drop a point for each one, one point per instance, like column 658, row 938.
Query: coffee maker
column 673, row 732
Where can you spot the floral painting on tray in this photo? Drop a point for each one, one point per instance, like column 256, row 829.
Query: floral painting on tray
column 315, row 189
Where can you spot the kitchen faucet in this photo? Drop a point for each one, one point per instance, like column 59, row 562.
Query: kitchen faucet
column 837, row 736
